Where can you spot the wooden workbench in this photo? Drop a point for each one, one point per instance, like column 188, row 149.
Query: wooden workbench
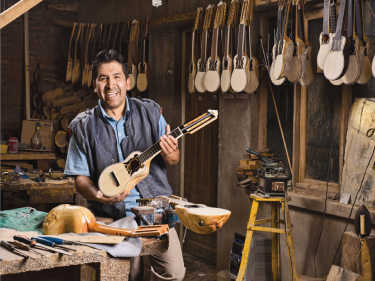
column 58, row 267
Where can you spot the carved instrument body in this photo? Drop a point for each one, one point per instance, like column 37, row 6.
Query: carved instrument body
column 77, row 219
column 123, row 176
column 274, row 81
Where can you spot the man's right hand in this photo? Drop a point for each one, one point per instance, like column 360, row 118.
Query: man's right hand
column 112, row 200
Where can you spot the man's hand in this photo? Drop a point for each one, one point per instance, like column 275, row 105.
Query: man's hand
column 169, row 149
column 112, row 200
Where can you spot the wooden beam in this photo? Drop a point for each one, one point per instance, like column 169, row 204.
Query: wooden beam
column 70, row 7
column 346, row 102
column 303, row 122
column 296, row 132
column 16, row 10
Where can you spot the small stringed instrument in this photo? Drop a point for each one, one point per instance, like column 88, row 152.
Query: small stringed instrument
column 294, row 72
column 125, row 175
column 239, row 77
column 275, row 48
column 201, row 64
column 96, row 37
column 337, row 60
column 212, row 78
column 355, row 45
column 365, row 76
column 77, row 219
column 192, row 64
column 85, row 69
column 132, row 69
column 70, row 60
column 227, row 58
column 306, row 53
column 324, row 37
column 76, row 72
column 286, row 49
column 252, row 71
column 143, row 66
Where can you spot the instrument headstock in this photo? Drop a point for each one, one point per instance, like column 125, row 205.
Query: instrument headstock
column 199, row 122
column 197, row 18
column 251, row 10
column 232, row 10
column 220, row 14
column 134, row 30
column 245, row 13
column 208, row 18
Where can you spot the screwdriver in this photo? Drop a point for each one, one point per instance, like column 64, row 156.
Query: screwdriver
column 25, row 247
column 56, row 242
column 62, row 241
column 50, row 244
column 11, row 248
column 33, row 243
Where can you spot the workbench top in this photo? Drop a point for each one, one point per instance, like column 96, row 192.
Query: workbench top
column 28, row 156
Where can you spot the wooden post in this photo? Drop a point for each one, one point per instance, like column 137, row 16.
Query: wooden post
column 303, row 120
column 346, row 102
column 296, row 132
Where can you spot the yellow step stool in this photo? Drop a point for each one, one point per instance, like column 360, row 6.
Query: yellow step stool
column 275, row 230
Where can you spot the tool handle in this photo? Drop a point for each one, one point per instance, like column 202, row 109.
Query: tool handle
column 54, row 240
column 44, row 241
column 25, row 240
column 21, row 245
column 7, row 245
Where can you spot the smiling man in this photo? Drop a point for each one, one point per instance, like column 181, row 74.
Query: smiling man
column 107, row 134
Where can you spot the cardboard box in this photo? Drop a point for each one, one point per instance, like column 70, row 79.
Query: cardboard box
column 48, row 130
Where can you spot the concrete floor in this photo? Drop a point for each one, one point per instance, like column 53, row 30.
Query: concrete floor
column 198, row 269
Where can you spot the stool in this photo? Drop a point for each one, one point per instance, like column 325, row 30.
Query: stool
column 275, row 230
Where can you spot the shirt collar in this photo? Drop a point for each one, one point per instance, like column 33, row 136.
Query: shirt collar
column 110, row 118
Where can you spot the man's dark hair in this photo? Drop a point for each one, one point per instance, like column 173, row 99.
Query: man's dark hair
column 105, row 57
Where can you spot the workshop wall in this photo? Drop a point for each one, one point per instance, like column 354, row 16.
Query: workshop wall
column 48, row 45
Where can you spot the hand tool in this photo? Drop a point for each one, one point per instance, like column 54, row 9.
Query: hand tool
column 58, row 241
column 25, row 247
column 49, row 245
column 11, row 248
column 33, row 243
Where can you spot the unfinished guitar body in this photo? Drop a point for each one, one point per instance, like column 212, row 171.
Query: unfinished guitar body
column 132, row 76
column 239, row 78
column 192, row 73
column 324, row 40
column 202, row 219
column 226, row 75
column 293, row 72
column 142, row 78
column 308, row 74
column 283, row 61
column 212, row 78
column 199, row 78
column 77, row 219
column 365, row 76
column 352, row 74
column 337, row 60
column 276, row 82
column 252, row 76
column 123, row 176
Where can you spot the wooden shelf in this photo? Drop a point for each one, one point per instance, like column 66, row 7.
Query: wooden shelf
column 28, row 156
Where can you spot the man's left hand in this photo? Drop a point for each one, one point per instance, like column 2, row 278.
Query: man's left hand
column 169, row 147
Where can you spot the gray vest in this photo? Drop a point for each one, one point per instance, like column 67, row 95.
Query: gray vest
column 96, row 138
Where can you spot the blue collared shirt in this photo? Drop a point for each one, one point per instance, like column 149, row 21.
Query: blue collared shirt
column 76, row 162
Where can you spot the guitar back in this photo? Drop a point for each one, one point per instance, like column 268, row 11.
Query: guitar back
column 239, row 76
column 337, row 61
column 276, row 82
column 365, row 76
column 355, row 65
column 192, row 73
column 199, row 77
column 323, row 49
column 212, row 77
column 226, row 74
column 252, row 75
column 142, row 77
column 283, row 60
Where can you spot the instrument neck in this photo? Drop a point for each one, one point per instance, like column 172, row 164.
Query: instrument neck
column 95, row 227
column 333, row 17
column 326, row 17
column 241, row 41
column 358, row 20
column 226, row 42
column 215, row 35
column 204, row 46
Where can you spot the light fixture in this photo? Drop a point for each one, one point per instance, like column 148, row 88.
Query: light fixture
column 156, row 3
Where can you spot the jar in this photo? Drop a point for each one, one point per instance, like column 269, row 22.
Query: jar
column 13, row 145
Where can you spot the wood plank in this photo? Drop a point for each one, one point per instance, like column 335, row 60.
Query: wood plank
column 346, row 102
column 28, row 156
column 303, row 120
column 15, row 163
column 16, row 10
column 296, row 132
column 71, row 7
column 25, row 184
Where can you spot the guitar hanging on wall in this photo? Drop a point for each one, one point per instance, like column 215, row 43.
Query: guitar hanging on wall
column 201, row 64
column 192, row 65
column 143, row 66
column 212, row 78
column 239, row 77
column 293, row 73
column 125, row 175
column 227, row 63
column 365, row 76
column 337, row 60
column 325, row 36
column 132, row 68
column 275, row 48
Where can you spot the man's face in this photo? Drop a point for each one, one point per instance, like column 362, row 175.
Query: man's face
column 111, row 85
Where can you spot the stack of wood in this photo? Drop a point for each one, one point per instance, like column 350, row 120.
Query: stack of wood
column 247, row 175
column 56, row 100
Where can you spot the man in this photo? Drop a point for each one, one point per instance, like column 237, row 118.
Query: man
column 107, row 134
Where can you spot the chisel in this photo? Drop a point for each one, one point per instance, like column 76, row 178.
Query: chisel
column 11, row 248
column 25, row 247
column 33, row 243
column 56, row 242
column 49, row 245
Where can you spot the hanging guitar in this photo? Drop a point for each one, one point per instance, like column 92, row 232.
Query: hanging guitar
column 239, row 77
column 132, row 69
column 306, row 55
column 275, row 48
column 337, row 60
column 212, row 78
column 294, row 72
column 201, row 64
column 143, row 66
column 94, row 38
column 192, row 64
column 365, row 76
column 125, row 175
column 227, row 58
column 324, row 37
column 70, row 60
column 76, row 71
column 252, row 71
column 85, row 69
column 355, row 45
column 286, row 49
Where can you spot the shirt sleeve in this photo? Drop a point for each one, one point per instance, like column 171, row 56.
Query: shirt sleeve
column 162, row 124
column 76, row 161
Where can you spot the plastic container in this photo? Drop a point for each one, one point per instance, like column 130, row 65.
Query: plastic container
column 13, row 145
